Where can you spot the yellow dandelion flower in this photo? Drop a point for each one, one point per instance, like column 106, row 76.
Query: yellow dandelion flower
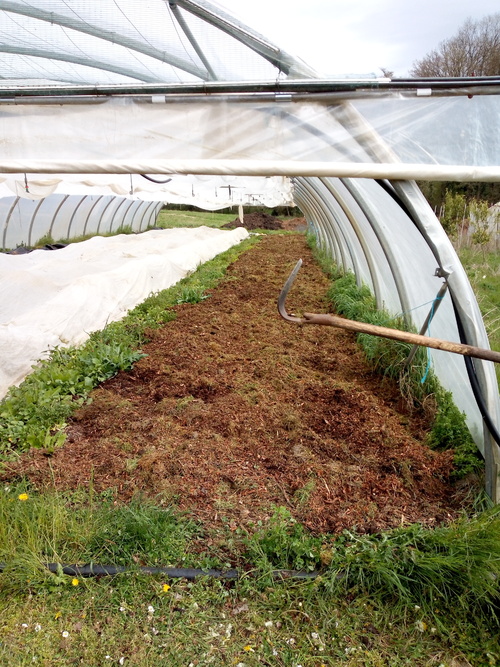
column 22, row 496
column 166, row 588
column 248, row 648
column 58, row 614
column 74, row 582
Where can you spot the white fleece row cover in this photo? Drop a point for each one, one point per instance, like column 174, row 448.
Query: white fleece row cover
column 57, row 298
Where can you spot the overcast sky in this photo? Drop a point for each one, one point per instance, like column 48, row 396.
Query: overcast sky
column 358, row 36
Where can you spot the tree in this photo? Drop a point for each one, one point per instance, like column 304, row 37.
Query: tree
column 388, row 73
column 473, row 51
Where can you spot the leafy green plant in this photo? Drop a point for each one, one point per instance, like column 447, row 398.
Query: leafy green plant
column 191, row 295
column 284, row 543
column 33, row 414
column 455, row 210
column 450, row 431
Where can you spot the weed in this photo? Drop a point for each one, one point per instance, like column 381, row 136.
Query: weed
column 450, row 431
column 45, row 240
column 34, row 414
column 54, row 527
column 302, row 495
column 283, row 543
column 191, row 295
column 394, row 598
column 484, row 274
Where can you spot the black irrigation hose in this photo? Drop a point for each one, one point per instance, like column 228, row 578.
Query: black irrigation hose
column 476, row 388
column 189, row 573
column 154, row 180
column 387, row 187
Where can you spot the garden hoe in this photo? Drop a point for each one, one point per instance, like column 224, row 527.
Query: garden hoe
column 384, row 332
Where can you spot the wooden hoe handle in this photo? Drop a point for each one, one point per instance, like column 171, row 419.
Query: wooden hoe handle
column 384, row 332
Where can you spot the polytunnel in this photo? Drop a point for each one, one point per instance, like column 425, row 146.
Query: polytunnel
column 117, row 90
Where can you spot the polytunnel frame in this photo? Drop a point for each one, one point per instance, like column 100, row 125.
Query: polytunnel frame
column 89, row 214
column 385, row 165
column 118, row 207
column 126, row 213
column 56, row 213
column 214, row 16
column 154, row 206
column 75, row 210
column 7, row 220
column 137, row 209
column 146, row 209
column 340, row 199
column 423, row 217
column 386, row 247
column 335, row 235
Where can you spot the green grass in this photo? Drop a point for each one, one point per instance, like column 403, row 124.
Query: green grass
column 48, row 240
column 483, row 270
column 410, row 596
column 206, row 622
column 168, row 219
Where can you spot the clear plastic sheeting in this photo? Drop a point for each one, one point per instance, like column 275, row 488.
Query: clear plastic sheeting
column 215, row 192
column 64, row 217
column 207, row 192
column 455, row 130
column 54, row 298
column 108, row 135
column 39, row 212
column 110, row 42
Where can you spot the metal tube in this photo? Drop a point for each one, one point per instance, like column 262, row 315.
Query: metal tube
column 326, row 89
column 7, row 220
column 395, row 171
column 90, row 213
column 33, row 220
column 190, row 36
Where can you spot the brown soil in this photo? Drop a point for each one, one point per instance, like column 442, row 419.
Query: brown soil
column 294, row 224
column 256, row 220
column 235, row 411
